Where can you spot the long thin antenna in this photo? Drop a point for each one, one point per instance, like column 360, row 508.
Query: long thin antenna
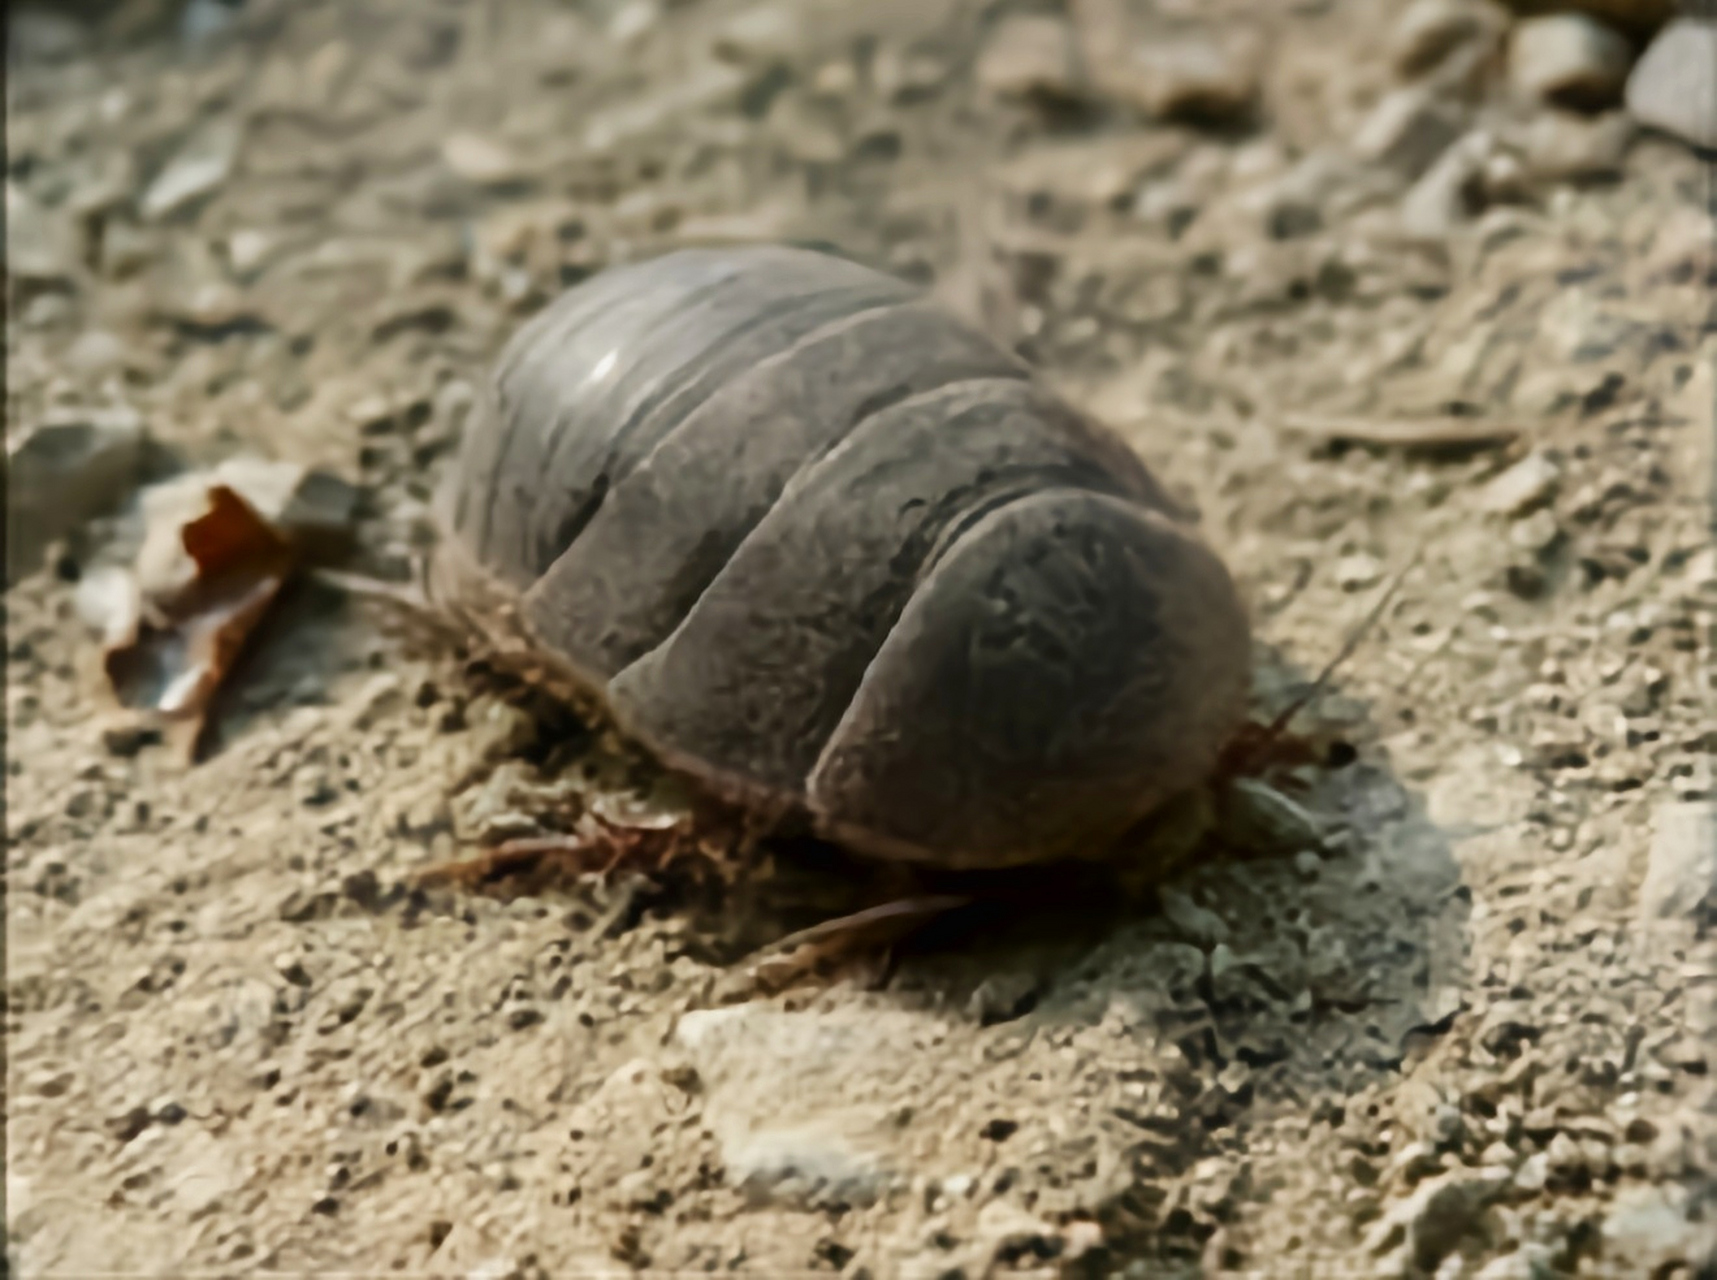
column 1276, row 727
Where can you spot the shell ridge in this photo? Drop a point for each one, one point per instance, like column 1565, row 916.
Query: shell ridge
column 794, row 484
column 533, row 348
column 616, row 466
column 735, row 413
column 1003, row 459
column 973, row 529
column 688, row 421
column 781, row 358
column 870, row 410
column 569, row 408
column 1123, row 751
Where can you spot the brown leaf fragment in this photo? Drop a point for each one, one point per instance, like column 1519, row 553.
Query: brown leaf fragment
column 187, row 638
column 217, row 551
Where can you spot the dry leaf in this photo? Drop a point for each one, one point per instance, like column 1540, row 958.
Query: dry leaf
column 217, row 550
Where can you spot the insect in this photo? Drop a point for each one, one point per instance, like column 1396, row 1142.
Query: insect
column 843, row 561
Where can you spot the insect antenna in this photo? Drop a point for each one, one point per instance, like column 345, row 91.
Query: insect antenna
column 1257, row 744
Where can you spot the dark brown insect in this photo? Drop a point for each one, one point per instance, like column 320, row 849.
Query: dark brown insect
column 834, row 554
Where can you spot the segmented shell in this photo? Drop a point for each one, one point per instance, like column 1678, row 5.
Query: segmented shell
column 827, row 549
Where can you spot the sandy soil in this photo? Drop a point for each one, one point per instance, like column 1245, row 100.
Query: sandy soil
column 1472, row 1037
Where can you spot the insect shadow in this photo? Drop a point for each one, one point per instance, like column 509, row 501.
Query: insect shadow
column 1336, row 899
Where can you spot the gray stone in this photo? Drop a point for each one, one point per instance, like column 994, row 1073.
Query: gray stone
column 1656, row 1231
column 803, row 1165
column 1536, row 533
column 1407, row 130
column 1674, row 85
column 1002, row 997
column 1253, row 816
column 95, row 353
column 126, row 248
column 1569, row 59
column 1644, row 692
column 64, row 473
column 762, row 35
column 1502, row 180
column 1533, row 1173
column 206, row 20
column 1532, row 1261
column 1358, row 571
column 480, row 160
column 1323, row 187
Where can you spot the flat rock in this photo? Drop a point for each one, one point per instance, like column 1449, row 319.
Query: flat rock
column 248, row 250
column 764, row 34
column 799, row 1101
column 1673, row 87
column 95, row 353
column 1568, row 59
column 803, row 1164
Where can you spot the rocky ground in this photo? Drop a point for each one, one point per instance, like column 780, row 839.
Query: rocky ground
column 1366, row 282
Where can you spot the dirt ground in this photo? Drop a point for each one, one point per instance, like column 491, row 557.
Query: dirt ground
column 1470, row 1037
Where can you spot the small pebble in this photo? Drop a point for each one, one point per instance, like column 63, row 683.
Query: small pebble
column 1527, row 484
column 1568, row 59
column 1358, row 571
column 1537, row 533
column 1673, row 86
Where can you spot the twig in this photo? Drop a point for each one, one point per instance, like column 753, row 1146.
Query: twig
column 903, row 909
column 1440, row 432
